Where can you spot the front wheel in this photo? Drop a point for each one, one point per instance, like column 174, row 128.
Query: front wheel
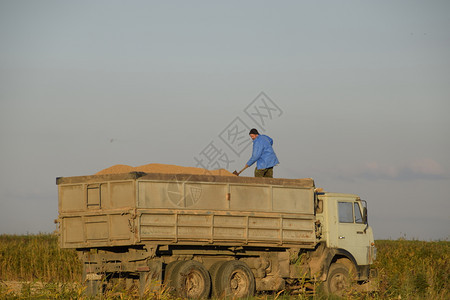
column 338, row 281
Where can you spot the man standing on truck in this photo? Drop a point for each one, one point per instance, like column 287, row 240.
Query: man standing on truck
column 262, row 154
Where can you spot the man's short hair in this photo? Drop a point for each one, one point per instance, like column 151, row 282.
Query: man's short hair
column 254, row 131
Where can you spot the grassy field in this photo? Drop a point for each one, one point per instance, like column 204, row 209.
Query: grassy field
column 35, row 267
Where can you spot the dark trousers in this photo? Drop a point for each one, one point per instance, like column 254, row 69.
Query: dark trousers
column 264, row 172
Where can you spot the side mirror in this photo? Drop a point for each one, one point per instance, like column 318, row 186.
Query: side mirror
column 364, row 216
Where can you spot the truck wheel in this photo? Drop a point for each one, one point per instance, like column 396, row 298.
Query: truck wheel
column 168, row 271
column 213, row 271
column 235, row 279
column 338, row 280
column 191, row 280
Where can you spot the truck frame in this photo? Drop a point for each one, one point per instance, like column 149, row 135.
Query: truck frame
column 205, row 236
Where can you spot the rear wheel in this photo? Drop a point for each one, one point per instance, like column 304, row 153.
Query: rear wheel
column 191, row 280
column 213, row 271
column 234, row 278
column 168, row 273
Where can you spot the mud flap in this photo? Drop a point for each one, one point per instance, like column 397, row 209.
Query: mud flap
column 371, row 285
column 93, row 284
column 368, row 286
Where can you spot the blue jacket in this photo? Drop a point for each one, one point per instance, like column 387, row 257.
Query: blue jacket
column 263, row 153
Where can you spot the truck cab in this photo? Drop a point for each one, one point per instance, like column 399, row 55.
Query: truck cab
column 345, row 230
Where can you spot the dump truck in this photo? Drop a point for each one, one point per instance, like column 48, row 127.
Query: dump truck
column 203, row 236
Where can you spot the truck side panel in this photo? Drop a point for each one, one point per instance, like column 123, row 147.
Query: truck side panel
column 96, row 211
column 225, row 196
column 200, row 227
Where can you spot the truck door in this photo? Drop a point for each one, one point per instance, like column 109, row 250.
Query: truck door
column 351, row 231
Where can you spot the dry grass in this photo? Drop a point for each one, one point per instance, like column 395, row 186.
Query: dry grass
column 413, row 269
column 37, row 258
column 35, row 267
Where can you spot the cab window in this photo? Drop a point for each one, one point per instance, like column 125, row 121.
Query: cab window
column 345, row 210
column 358, row 216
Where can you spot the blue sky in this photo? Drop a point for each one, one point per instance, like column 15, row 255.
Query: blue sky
column 362, row 87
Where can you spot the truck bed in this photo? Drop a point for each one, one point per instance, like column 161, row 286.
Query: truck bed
column 165, row 209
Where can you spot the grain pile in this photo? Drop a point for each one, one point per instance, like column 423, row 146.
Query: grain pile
column 163, row 168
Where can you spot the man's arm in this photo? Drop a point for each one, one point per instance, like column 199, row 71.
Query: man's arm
column 256, row 154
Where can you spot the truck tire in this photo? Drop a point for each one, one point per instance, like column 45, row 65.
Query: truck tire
column 338, row 280
column 168, row 271
column 235, row 279
column 213, row 271
column 191, row 280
